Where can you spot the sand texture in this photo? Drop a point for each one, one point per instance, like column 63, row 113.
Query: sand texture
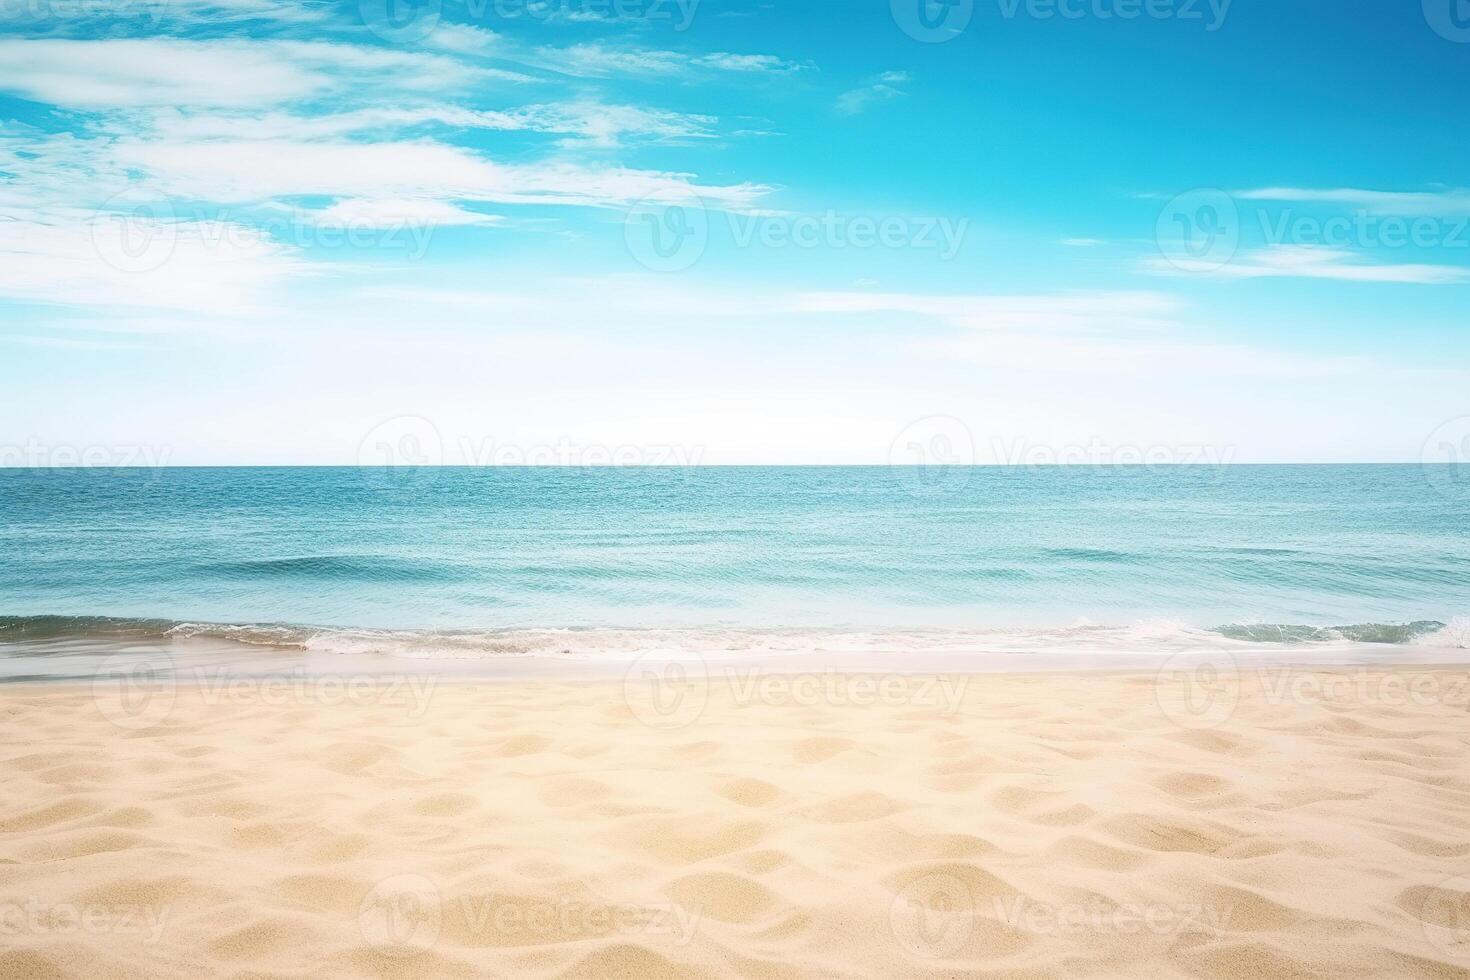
column 1026, row 826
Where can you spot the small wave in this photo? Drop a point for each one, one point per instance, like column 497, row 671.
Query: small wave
column 340, row 568
column 1098, row 555
column 1085, row 639
column 1414, row 632
column 17, row 628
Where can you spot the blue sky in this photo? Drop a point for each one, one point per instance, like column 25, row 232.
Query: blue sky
column 260, row 231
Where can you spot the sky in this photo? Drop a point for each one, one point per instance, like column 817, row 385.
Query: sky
column 708, row 231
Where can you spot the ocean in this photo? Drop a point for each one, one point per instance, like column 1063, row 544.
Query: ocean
column 480, row 564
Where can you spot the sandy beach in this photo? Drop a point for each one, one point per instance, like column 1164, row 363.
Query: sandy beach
column 1286, row 824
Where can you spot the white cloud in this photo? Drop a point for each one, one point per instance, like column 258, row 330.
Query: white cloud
column 886, row 88
column 220, row 74
column 1312, row 262
column 244, row 171
column 1064, row 312
column 595, row 123
column 1126, row 332
column 1447, row 203
column 133, row 261
column 598, row 59
column 398, row 213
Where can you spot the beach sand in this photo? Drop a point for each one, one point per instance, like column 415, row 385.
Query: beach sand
column 1312, row 824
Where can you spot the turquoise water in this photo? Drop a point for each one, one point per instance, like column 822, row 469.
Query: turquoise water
column 483, row 558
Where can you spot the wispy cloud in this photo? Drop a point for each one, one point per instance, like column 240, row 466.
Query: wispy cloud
column 1127, row 332
column 237, row 134
column 601, row 60
column 885, row 88
column 580, row 122
column 1313, row 262
column 1039, row 312
column 221, row 74
column 1443, row 203
column 79, row 258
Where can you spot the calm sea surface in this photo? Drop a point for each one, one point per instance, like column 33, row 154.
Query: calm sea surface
column 479, row 562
